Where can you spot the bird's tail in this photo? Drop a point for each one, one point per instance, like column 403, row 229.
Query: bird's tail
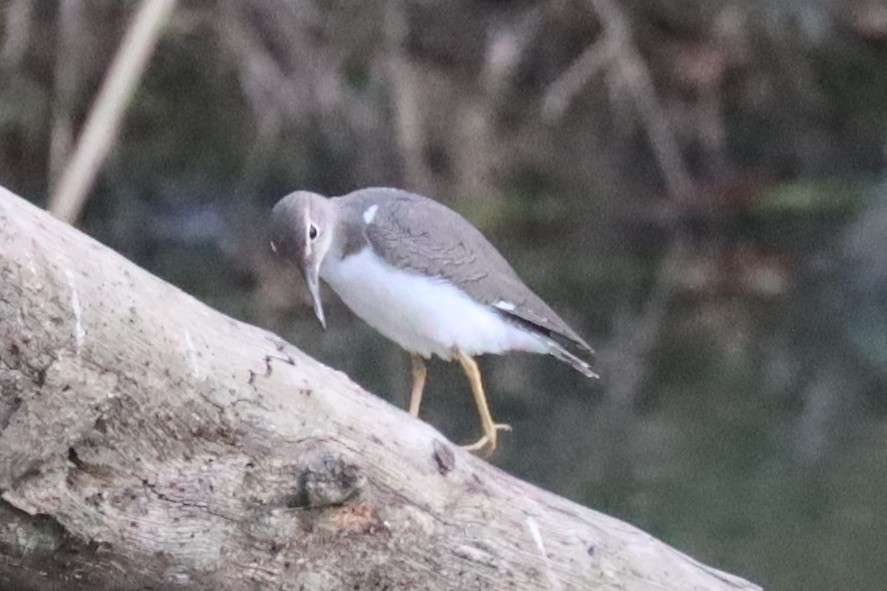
column 561, row 352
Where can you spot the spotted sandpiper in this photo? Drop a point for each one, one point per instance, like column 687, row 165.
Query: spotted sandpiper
column 423, row 276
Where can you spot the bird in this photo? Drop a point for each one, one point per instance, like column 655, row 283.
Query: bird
column 424, row 277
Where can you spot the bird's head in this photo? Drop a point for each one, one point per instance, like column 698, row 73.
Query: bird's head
column 301, row 232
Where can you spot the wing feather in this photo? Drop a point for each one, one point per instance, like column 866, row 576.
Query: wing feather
column 421, row 235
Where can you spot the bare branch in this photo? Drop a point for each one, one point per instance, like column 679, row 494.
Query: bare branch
column 405, row 94
column 104, row 119
column 68, row 78
column 617, row 54
column 19, row 17
column 593, row 60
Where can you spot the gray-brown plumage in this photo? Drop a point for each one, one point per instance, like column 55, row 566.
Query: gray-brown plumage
column 425, row 277
column 419, row 234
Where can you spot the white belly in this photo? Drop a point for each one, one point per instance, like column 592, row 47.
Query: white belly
column 421, row 314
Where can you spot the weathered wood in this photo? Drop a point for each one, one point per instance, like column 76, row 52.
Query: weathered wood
column 149, row 441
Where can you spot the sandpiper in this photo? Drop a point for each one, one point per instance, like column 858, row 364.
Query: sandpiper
column 423, row 276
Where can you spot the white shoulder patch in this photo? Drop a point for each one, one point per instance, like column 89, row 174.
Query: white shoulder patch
column 370, row 213
column 503, row 305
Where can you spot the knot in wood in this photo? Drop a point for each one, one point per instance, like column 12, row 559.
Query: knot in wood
column 329, row 480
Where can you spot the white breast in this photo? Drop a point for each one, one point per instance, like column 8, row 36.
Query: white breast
column 421, row 314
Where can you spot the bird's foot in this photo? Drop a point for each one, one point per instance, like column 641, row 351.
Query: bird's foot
column 486, row 445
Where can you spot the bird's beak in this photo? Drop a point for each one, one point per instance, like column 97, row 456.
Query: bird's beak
column 311, row 278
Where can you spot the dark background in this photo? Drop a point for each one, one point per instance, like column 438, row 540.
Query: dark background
column 696, row 185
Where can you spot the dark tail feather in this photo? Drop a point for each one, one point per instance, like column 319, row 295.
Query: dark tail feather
column 566, row 356
column 552, row 341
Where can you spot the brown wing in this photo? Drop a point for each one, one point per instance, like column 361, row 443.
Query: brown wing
column 416, row 233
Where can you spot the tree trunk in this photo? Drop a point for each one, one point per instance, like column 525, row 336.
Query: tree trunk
column 148, row 441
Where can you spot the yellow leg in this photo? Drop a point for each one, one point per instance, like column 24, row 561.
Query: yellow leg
column 487, row 443
column 420, row 372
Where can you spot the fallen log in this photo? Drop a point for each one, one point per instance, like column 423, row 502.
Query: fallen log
column 148, row 441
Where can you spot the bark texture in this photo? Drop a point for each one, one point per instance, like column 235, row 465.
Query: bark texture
column 148, row 441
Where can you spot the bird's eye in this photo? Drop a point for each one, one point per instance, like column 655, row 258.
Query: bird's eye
column 312, row 232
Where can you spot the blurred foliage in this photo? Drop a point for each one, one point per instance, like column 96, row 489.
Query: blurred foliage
column 696, row 185
column 815, row 197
